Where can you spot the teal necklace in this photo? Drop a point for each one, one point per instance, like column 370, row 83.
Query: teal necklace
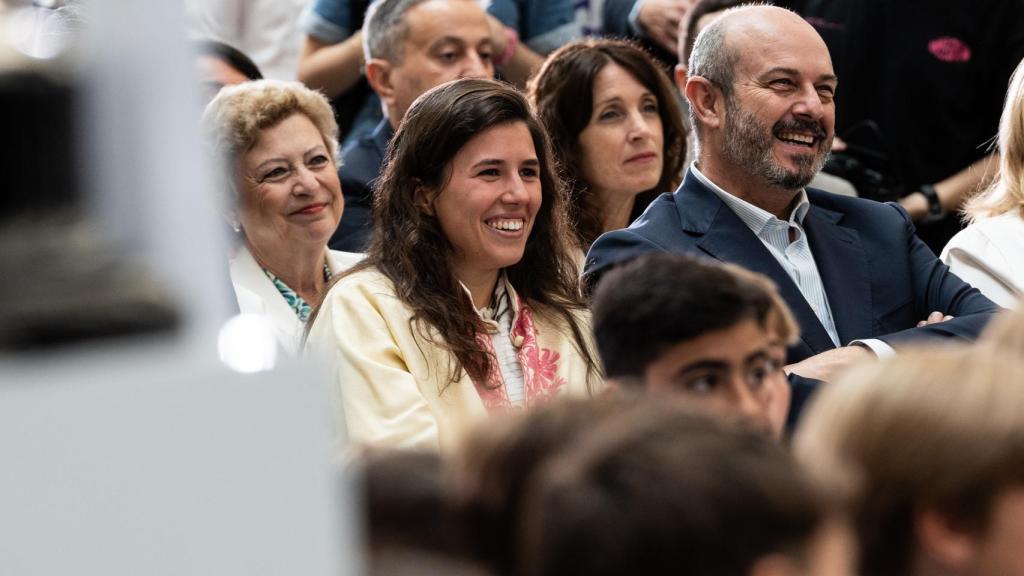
column 298, row 305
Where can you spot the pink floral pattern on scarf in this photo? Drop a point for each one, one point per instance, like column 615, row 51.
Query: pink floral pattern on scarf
column 540, row 367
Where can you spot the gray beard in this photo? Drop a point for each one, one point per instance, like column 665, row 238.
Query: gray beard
column 748, row 143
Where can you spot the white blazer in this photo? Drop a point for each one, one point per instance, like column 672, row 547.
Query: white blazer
column 257, row 295
column 989, row 255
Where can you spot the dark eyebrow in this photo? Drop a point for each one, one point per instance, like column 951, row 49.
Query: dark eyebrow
column 489, row 162
column 499, row 162
column 710, row 364
column 607, row 101
column 757, row 356
column 616, row 98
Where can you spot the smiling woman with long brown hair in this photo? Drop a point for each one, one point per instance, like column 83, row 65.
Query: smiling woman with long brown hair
column 467, row 302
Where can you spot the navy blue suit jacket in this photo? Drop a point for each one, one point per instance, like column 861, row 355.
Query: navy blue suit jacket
column 361, row 163
column 879, row 277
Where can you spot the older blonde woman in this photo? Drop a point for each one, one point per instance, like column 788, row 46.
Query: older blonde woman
column 987, row 254
column 279, row 140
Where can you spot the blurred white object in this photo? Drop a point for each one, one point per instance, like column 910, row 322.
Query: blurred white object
column 148, row 182
column 36, row 32
column 246, row 343
column 152, row 461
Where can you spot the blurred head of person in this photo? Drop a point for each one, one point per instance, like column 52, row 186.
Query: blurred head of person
column 697, row 19
column 411, row 527
column 219, row 65
column 657, row 488
column 931, row 444
column 468, row 195
column 713, row 333
column 616, row 128
column 279, row 141
column 1006, row 193
column 488, row 477
column 1006, row 331
column 411, row 46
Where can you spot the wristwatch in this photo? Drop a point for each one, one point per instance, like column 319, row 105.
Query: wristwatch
column 934, row 205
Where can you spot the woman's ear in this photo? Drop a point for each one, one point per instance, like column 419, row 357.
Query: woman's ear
column 424, row 199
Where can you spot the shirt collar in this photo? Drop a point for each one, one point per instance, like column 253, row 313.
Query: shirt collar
column 504, row 307
column 755, row 217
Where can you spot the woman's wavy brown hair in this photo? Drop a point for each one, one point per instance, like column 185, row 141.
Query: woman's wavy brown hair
column 562, row 93
column 410, row 248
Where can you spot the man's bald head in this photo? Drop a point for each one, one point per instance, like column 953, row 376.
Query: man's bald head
column 721, row 44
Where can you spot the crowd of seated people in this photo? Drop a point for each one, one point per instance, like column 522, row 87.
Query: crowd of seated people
column 562, row 348
column 467, row 302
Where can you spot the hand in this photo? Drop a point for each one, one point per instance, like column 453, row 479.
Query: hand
column 660, row 21
column 934, row 318
column 827, row 365
column 838, row 144
column 498, row 37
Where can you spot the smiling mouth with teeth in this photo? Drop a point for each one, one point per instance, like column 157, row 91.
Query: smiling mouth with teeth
column 506, row 224
column 795, row 138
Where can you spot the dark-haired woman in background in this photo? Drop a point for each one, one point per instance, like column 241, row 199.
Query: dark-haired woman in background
column 219, row 65
column 467, row 301
column 616, row 129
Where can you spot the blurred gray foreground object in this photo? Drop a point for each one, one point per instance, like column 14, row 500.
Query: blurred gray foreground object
column 63, row 281
column 146, row 460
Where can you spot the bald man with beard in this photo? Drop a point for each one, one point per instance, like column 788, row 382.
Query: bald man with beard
column 760, row 85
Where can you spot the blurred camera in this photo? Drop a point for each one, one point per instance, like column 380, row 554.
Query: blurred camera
column 869, row 182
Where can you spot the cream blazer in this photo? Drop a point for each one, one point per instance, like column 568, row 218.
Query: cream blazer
column 257, row 295
column 392, row 384
column 989, row 255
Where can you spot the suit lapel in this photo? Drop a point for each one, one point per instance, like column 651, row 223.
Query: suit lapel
column 727, row 239
column 843, row 266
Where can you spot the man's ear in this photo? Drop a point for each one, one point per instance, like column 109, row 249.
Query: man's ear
column 378, row 75
column 706, row 100
column 680, row 75
column 941, row 541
